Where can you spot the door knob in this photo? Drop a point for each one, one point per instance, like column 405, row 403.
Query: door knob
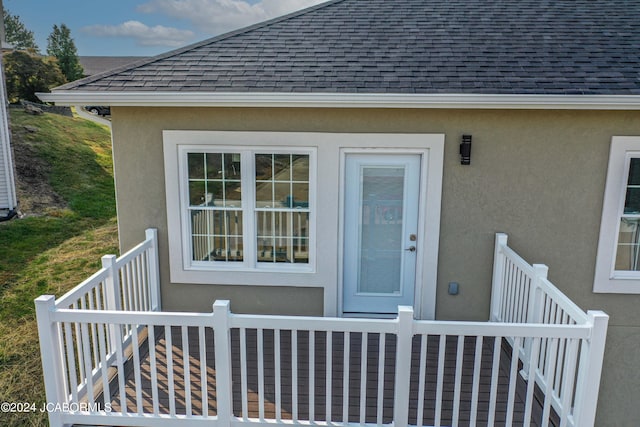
column 411, row 249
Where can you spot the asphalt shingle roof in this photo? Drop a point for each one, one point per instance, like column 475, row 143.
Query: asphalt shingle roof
column 409, row 46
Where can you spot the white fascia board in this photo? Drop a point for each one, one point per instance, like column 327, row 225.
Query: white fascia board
column 344, row 100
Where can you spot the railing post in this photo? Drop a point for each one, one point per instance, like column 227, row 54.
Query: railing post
column 51, row 355
column 113, row 300
column 403, row 366
column 154, row 270
column 222, row 346
column 588, row 381
column 535, row 308
column 497, row 283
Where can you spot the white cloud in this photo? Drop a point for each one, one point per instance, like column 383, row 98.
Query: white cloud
column 218, row 16
column 143, row 34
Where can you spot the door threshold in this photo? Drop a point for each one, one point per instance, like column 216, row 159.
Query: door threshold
column 370, row 315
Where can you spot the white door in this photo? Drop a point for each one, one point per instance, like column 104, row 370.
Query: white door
column 382, row 193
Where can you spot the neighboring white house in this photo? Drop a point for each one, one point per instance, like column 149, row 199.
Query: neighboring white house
column 8, row 199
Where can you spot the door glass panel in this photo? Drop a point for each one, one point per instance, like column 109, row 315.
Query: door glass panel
column 380, row 249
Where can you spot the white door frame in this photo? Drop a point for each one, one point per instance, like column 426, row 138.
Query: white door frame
column 431, row 166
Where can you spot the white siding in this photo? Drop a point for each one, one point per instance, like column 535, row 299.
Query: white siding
column 7, row 182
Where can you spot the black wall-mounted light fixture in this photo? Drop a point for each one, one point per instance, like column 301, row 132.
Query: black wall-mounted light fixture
column 465, row 150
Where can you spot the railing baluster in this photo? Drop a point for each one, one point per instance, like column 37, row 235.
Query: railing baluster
column 71, row 362
column 120, row 367
column 381, row 365
column 551, row 363
column 513, row 379
column 78, row 335
column 345, row 378
column 260, row 351
column 440, row 380
column 187, row 371
column 136, row 367
column 363, row 376
column 458, row 381
column 153, row 368
column 569, row 379
column 102, row 342
column 494, row 380
column 202, row 345
column 243, row 372
column 477, row 367
column 329, row 375
column 422, row 379
column 294, row 375
column 312, row 379
column 531, row 382
column 277, row 362
column 170, row 374
column 86, row 348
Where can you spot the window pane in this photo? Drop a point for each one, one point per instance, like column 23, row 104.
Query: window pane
column 232, row 165
column 264, row 164
column 283, row 237
column 264, row 195
column 300, row 163
column 632, row 200
column 282, row 167
column 634, row 172
column 628, row 251
column 196, row 165
column 300, row 196
column 233, row 194
column 214, row 165
column 216, row 235
column 196, row 193
column 214, row 193
column 282, row 195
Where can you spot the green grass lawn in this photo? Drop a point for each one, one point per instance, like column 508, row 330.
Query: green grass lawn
column 55, row 246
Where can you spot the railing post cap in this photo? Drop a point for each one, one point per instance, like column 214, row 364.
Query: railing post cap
column 502, row 238
column 46, row 299
column 150, row 232
column 222, row 304
column 108, row 259
column 405, row 310
column 598, row 314
column 541, row 270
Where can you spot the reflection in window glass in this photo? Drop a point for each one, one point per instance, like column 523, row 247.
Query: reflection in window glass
column 282, row 207
column 628, row 246
column 215, row 199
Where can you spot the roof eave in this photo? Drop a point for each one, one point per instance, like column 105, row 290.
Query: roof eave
column 344, row 100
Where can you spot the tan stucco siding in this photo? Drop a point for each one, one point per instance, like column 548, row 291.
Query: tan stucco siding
column 537, row 175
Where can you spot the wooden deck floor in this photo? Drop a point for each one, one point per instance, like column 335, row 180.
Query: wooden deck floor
column 319, row 398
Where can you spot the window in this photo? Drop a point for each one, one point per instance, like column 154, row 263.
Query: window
column 246, row 208
column 618, row 260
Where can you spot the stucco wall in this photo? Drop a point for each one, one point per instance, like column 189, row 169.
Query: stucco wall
column 537, row 175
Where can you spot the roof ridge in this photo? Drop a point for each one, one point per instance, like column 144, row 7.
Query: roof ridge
column 211, row 40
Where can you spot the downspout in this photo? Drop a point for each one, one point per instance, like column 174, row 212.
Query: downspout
column 12, row 213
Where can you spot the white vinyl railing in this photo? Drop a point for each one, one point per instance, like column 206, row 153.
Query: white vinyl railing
column 521, row 293
column 227, row 369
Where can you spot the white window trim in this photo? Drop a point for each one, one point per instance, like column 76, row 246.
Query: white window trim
column 607, row 280
column 248, row 272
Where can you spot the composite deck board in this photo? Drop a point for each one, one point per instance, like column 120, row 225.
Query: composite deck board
column 371, row 399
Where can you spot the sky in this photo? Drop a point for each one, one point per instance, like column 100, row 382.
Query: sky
column 143, row 27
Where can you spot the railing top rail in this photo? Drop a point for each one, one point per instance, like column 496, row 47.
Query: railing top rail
column 99, row 276
column 133, row 252
column 518, row 260
column 570, row 307
column 76, row 293
column 336, row 324
column 500, row 329
column 548, row 288
column 114, row 317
